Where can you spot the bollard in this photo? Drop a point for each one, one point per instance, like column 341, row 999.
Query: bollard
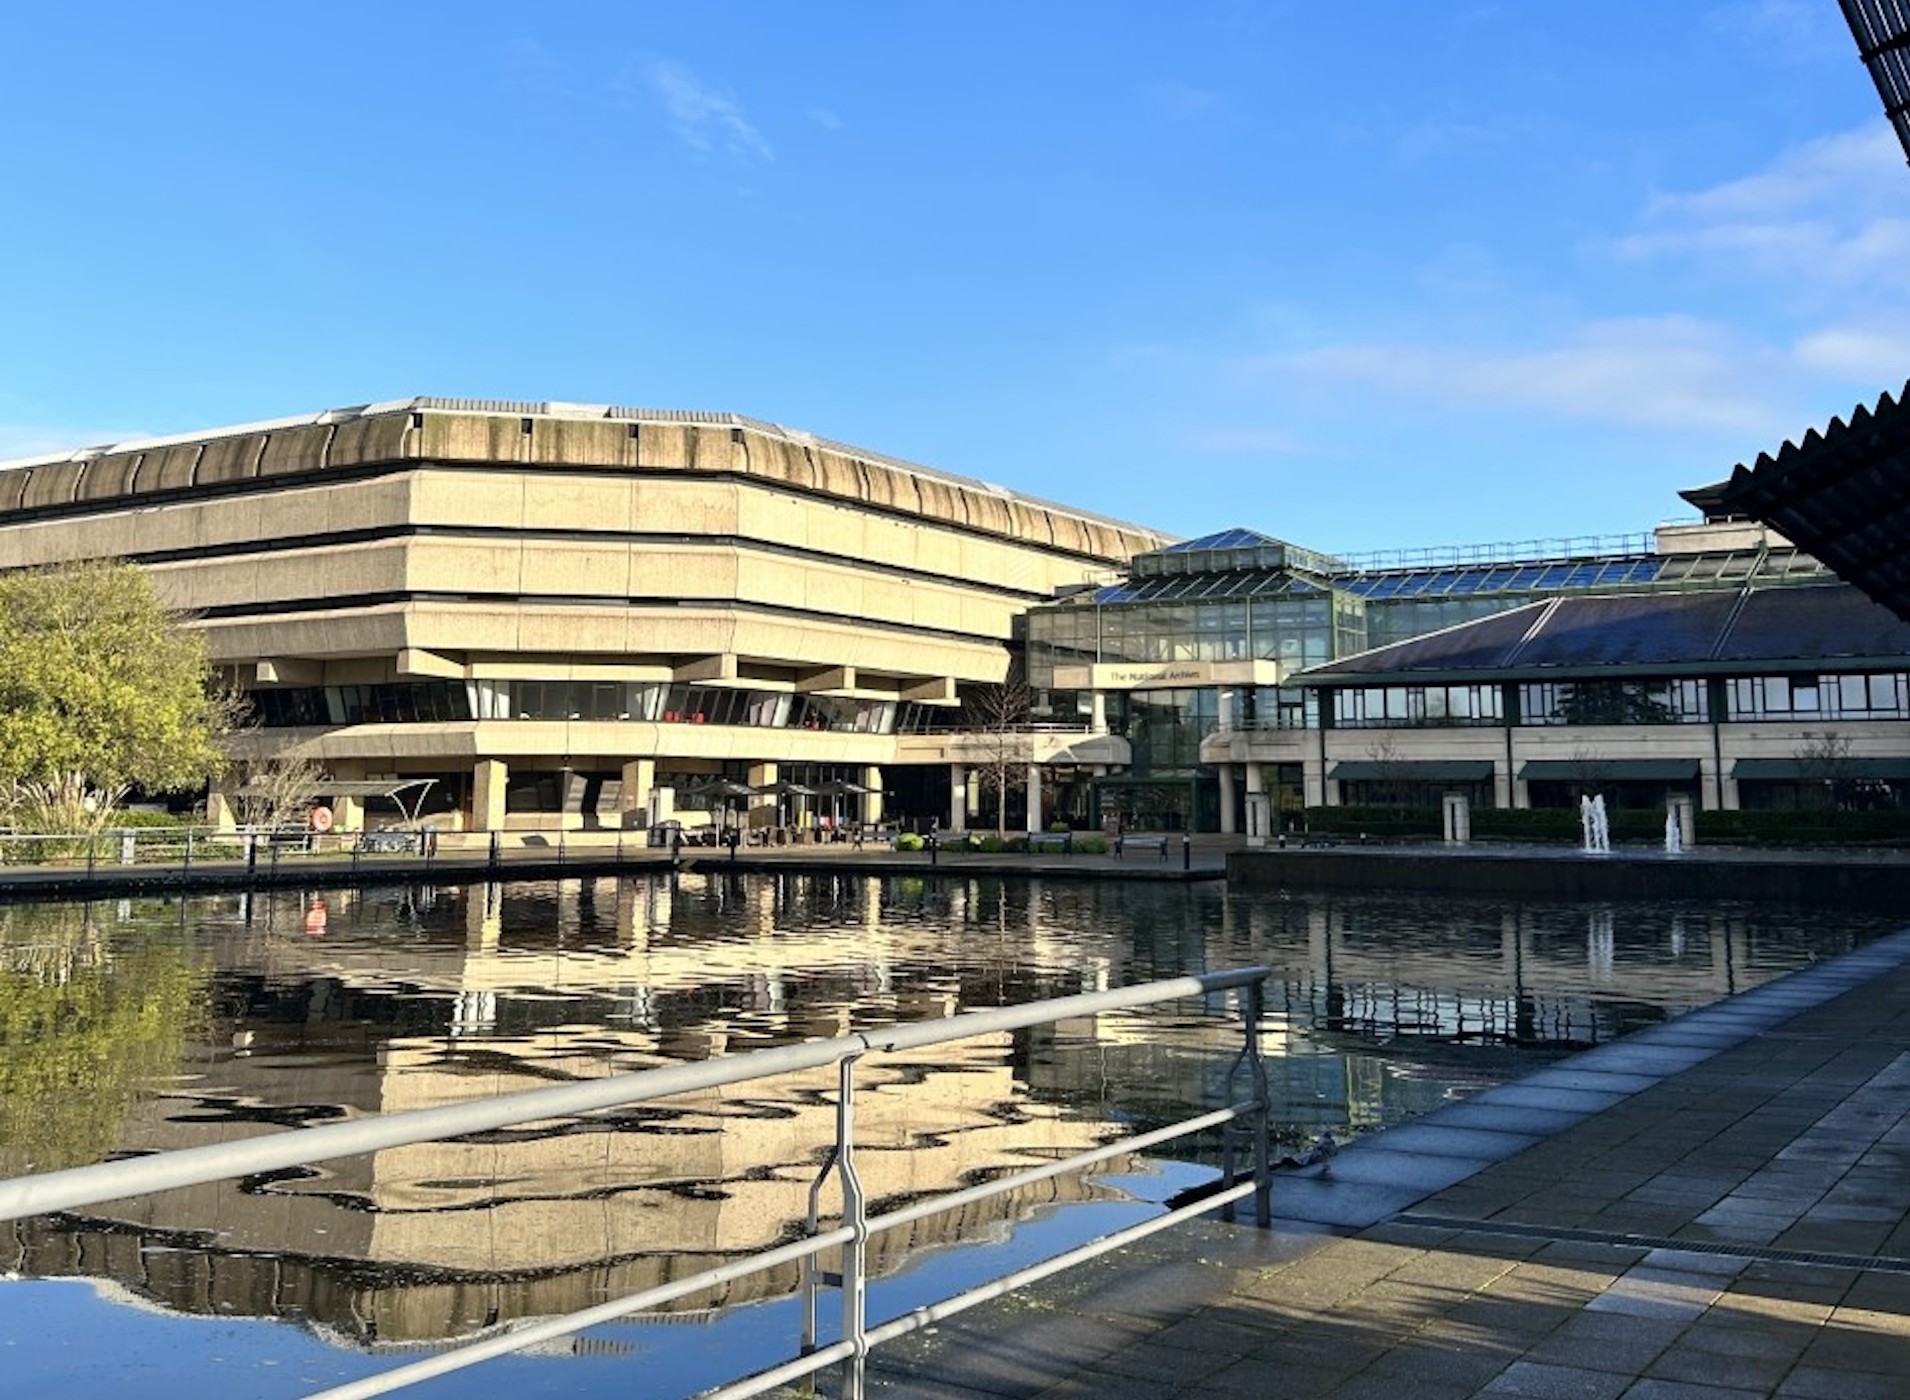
column 494, row 853
column 934, row 849
column 1187, row 853
column 251, row 853
column 676, row 847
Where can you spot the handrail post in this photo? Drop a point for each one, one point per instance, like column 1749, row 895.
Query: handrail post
column 855, row 1215
column 1254, row 1008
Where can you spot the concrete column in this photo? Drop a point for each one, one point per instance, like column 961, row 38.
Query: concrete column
column 639, row 776
column 1457, row 814
column 1225, row 719
column 958, row 797
column 1256, row 806
column 489, row 777
column 1098, row 718
column 1034, row 797
column 762, row 810
column 348, row 814
column 1229, row 822
column 872, row 799
column 219, row 808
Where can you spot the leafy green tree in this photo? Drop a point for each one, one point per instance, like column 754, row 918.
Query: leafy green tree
column 84, row 1028
column 102, row 689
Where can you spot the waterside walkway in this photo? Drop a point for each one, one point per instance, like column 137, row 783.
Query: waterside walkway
column 1714, row 1209
column 1202, row 858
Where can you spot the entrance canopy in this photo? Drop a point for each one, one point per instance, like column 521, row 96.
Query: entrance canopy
column 407, row 793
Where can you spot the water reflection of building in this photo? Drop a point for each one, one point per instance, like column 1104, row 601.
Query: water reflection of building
column 1379, row 1008
column 436, row 1239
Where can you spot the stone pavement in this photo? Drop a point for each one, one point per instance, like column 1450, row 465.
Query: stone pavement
column 1715, row 1209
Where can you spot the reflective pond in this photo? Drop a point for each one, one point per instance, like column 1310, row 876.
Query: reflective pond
column 143, row 1025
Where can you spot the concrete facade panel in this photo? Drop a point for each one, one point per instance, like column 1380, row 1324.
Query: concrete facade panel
column 105, row 478
column 591, row 442
column 663, row 445
column 169, row 468
column 230, row 459
column 55, row 485
column 385, row 438
column 289, row 451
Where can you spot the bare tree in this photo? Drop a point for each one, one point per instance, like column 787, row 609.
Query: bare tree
column 1825, row 758
column 278, row 790
column 998, row 716
column 1392, row 775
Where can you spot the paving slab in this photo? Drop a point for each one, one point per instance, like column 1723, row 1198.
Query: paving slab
column 1707, row 1215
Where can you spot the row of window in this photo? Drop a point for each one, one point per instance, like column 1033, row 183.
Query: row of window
column 429, row 701
column 1738, row 700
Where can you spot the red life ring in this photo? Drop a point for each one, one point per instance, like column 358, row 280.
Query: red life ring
column 321, row 819
column 315, row 916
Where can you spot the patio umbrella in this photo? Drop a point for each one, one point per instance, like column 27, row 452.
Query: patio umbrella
column 839, row 788
column 726, row 788
column 780, row 789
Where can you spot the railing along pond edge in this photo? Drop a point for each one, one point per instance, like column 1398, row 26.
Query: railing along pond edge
column 1246, row 1119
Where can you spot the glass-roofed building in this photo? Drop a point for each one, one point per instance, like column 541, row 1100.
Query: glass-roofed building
column 1208, row 635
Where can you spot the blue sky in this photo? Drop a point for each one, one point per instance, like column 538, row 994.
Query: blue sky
column 1412, row 272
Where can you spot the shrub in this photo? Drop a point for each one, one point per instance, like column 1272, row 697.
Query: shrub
column 908, row 841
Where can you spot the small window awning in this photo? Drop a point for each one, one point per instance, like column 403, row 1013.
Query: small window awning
column 1425, row 771
column 1609, row 770
column 1804, row 770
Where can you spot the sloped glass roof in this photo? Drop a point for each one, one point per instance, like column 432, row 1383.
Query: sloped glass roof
column 1205, row 588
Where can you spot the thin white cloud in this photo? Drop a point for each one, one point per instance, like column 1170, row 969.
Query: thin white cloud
column 1669, row 372
column 1831, row 213
column 825, row 119
column 1867, row 354
column 704, row 118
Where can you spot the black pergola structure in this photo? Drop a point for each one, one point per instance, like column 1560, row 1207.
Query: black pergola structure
column 1843, row 495
column 1882, row 30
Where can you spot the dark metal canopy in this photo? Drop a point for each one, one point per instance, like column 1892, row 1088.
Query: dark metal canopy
column 1882, row 31
column 1458, row 770
column 1616, row 770
column 1842, row 494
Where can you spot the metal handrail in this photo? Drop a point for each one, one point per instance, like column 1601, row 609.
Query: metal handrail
column 1249, row 1118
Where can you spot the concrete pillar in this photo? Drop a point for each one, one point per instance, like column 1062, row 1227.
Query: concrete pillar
column 1034, row 797
column 1225, row 720
column 1257, row 817
column 348, row 814
column 1229, row 822
column 1457, row 814
column 639, row 776
column 219, row 808
column 957, row 797
column 1098, row 717
column 872, row 799
column 489, row 776
column 762, row 810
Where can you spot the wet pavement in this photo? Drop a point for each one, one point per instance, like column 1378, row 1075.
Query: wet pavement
column 1717, row 1208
